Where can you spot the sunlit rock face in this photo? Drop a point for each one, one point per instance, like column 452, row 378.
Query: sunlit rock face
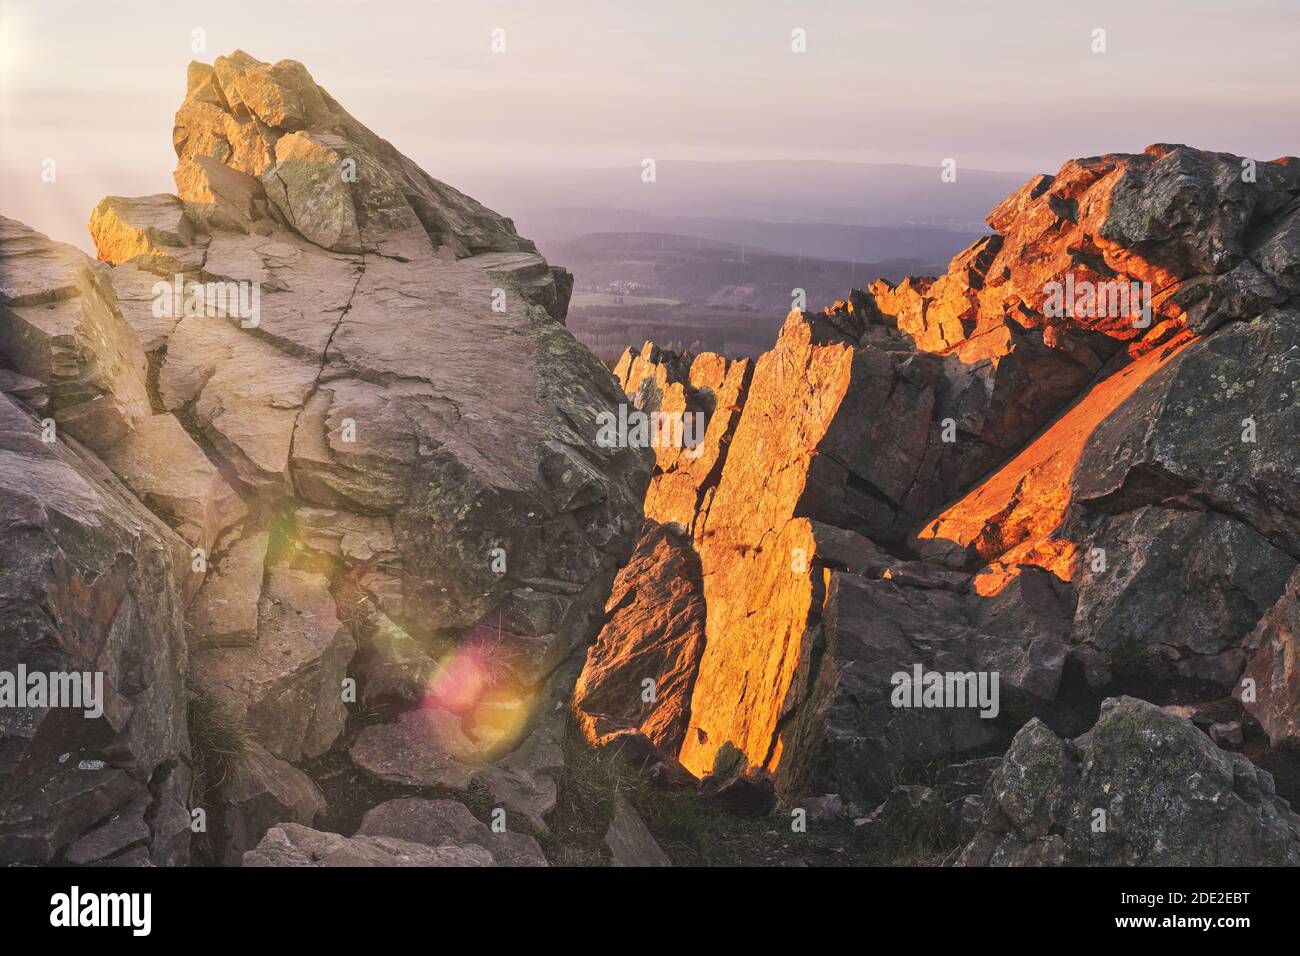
column 655, row 632
column 348, row 388
column 954, row 473
column 710, row 388
column 61, row 328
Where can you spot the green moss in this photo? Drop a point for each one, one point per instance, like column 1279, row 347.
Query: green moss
column 1129, row 659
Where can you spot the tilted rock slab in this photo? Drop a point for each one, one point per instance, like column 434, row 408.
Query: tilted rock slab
column 641, row 670
column 442, row 822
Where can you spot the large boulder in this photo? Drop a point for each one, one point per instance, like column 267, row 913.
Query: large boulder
column 91, row 584
column 1142, row 788
column 407, row 368
column 260, row 792
column 1181, row 599
column 1216, row 427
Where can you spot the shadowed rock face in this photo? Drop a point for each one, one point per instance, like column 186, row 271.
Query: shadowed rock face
column 368, row 421
column 90, row 582
column 929, row 474
column 1167, row 794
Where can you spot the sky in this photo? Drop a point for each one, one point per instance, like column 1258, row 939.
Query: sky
column 1012, row 85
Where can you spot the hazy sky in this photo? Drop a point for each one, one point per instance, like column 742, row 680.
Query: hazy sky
column 1006, row 85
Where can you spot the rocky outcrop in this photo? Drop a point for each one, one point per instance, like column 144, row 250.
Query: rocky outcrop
column 1006, row 472
column 1011, row 360
column 361, row 395
column 92, row 659
column 1141, row 788
column 312, row 443
column 348, row 390
column 1215, row 428
column 707, row 388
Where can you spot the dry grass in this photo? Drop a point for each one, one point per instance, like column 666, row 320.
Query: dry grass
column 217, row 740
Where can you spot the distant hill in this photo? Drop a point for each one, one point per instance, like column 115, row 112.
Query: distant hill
column 784, row 191
column 709, row 252
column 827, row 210
column 552, row 228
column 693, row 293
column 684, row 268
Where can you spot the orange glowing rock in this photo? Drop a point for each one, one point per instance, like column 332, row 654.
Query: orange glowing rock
column 655, row 634
column 153, row 226
column 948, row 418
column 1024, row 501
column 675, row 492
column 755, row 552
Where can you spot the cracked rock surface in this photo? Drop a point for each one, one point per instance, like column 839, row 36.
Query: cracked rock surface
column 947, row 475
column 368, row 428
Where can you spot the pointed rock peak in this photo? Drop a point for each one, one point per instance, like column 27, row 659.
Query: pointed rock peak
column 261, row 143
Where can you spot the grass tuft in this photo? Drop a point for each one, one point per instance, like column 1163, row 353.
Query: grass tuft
column 216, row 738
